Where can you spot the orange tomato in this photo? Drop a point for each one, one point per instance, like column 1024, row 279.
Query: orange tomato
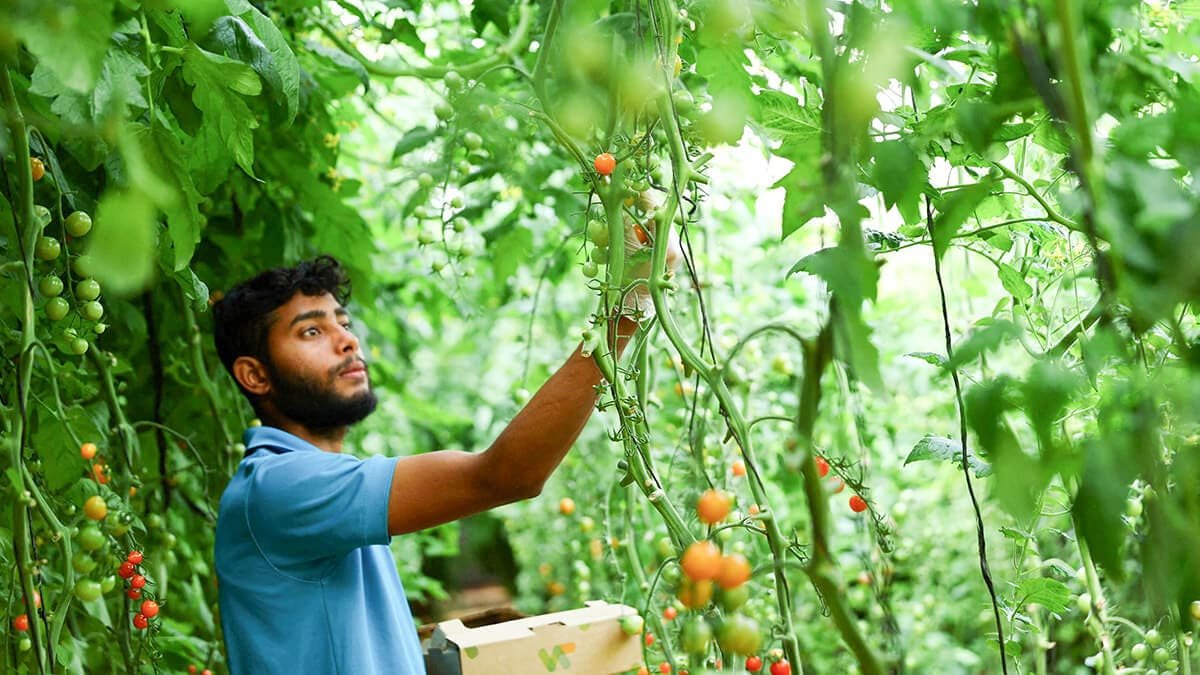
column 735, row 571
column 695, row 595
column 87, row 450
column 738, row 468
column 701, row 561
column 95, row 508
column 605, row 163
column 712, row 506
column 566, row 506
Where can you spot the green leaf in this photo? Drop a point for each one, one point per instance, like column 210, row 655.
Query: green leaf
column 278, row 65
column 57, row 442
column 508, row 252
column 413, row 139
column 220, row 83
column 932, row 358
column 802, row 197
column 987, row 336
column 69, row 39
column 1014, row 283
column 900, row 176
column 123, row 241
column 337, row 72
column 946, row 450
column 164, row 154
column 954, row 210
column 494, row 12
column 1049, row 593
column 120, row 85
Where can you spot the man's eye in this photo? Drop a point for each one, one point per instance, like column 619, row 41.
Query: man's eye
column 310, row 331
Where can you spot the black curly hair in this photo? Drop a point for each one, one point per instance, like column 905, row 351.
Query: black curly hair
column 244, row 316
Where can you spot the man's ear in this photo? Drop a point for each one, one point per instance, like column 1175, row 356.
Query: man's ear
column 252, row 375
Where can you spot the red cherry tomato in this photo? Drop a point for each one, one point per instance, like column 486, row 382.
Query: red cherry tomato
column 822, row 467
column 858, row 504
column 670, row 613
column 135, row 557
column 150, row 609
column 140, row 621
column 781, row 668
column 134, row 593
column 138, row 581
column 126, row 570
column 605, row 163
column 754, row 664
column 21, row 623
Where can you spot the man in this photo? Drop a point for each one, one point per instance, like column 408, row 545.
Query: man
column 307, row 583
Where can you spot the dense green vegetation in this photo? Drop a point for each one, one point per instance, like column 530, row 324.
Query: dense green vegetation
column 934, row 341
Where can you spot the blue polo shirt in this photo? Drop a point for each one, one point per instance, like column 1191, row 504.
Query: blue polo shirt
column 307, row 583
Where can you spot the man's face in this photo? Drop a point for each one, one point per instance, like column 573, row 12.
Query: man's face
column 318, row 376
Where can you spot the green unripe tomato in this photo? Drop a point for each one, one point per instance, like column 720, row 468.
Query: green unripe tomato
column 425, row 180
column 87, row 590
column 453, row 81
column 591, row 269
column 91, row 538
column 1140, row 651
column 100, row 328
column 443, row 111
column 456, row 202
column 459, row 225
column 88, row 289
column 154, row 521
column 69, row 334
column 79, row 224
column 599, row 255
column 108, row 583
column 684, row 102
column 597, row 232
column 79, row 346
column 25, row 644
column 50, row 286
column 169, row 540
column 82, row 266
column 472, row 140
column 1194, row 609
column 1153, row 638
column 632, row 625
column 1084, row 603
column 83, row 563
column 1161, row 656
column 47, row 248
column 92, row 310
column 733, row 598
column 696, row 635
column 56, row 309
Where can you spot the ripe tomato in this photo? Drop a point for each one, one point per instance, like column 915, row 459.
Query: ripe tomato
column 664, row 667
column 126, row 570
column 566, row 506
column 87, row 450
column 712, row 506
column 735, row 571
column 669, row 613
column 754, row 664
column 149, row 608
column 695, row 594
column 99, row 472
column 738, row 468
column 701, row 561
column 95, row 508
column 21, row 623
column 137, row 581
column 140, row 621
column 136, row 558
column 649, row 639
column 133, row 593
column 781, row 668
column 822, row 467
column 857, row 504
column 640, row 233
column 605, row 163
column 643, row 671
column 37, row 167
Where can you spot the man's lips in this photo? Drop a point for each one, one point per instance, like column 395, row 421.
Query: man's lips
column 354, row 371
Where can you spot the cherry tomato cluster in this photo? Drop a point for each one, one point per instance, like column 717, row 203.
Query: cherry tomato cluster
column 857, row 503
column 129, row 571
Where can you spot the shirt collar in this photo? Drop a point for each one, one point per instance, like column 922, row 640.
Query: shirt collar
column 275, row 439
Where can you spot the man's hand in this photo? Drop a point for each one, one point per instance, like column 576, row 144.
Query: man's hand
column 639, row 240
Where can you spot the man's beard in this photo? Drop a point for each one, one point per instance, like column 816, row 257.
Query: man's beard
column 316, row 405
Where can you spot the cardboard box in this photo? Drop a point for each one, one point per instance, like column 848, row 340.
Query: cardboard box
column 585, row 641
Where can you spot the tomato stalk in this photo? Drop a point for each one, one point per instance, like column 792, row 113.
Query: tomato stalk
column 200, row 368
column 1097, row 618
column 27, row 234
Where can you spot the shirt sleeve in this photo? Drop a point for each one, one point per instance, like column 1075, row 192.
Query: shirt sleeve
column 303, row 507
